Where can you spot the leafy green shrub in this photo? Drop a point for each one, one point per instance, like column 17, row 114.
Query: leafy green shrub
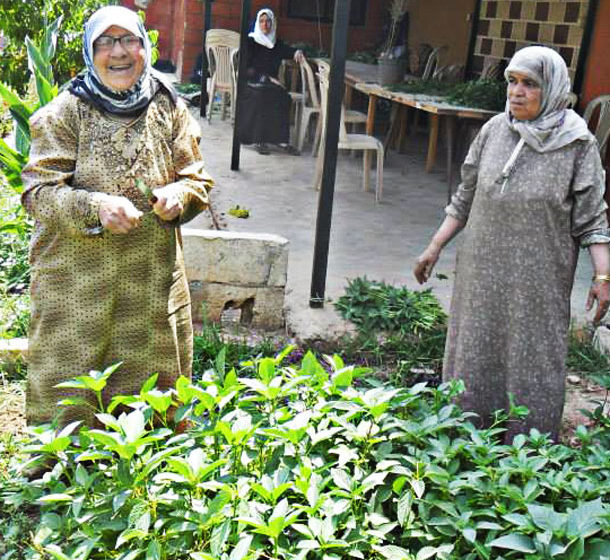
column 19, row 19
column 302, row 463
column 377, row 306
column 485, row 94
column 212, row 349
column 400, row 329
column 426, row 87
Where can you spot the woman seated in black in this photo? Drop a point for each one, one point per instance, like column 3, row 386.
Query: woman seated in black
column 265, row 116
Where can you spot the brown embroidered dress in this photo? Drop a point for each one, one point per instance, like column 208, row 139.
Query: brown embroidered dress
column 510, row 310
column 99, row 298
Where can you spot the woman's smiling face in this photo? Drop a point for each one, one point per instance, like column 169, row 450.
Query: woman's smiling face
column 524, row 96
column 119, row 67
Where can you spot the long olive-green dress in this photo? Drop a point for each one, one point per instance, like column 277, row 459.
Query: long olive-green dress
column 510, row 311
column 99, row 298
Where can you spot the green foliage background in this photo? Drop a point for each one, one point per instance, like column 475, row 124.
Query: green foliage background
column 19, row 18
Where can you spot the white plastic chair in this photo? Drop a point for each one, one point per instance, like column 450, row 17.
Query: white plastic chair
column 600, row 106
column 222, row 47
column 310, row 107
column 351, row 117
column 349, row 141
column 297, row 98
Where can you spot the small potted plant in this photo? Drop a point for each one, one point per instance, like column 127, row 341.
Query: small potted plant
column 392, row 60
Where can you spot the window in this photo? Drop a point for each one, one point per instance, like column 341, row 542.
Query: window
column 324, row 10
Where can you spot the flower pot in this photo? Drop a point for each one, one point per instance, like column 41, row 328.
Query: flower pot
column 390, row 70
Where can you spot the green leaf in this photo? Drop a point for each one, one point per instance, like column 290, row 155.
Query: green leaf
column 583, row 521
column 470, row 535
column 51, row 498
column 56, row 552
column 515, row 541
column 220, row 536
column 546, row 518
column 404, row 507
column 240, row 550
column 392, row 552
column 153, row 552
column 419, row 487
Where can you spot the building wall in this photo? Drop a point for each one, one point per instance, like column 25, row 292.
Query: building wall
column 441, row 23
column 158, row 16
column 597, row 70
column 506, row 26
column 180, row 24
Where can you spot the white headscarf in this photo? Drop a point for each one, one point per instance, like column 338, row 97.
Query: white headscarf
column 258, row 35
column 555, row 126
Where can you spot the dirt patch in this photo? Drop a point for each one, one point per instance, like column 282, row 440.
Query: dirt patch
column 581, row 394
column 12, row 415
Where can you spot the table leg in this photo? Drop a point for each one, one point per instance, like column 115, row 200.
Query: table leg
column 370, row 125
column 402, row 133
column 370, row 116
column 347, row 96
column 432, row 142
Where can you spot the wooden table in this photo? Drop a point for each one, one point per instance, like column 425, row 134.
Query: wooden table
column 436, row 107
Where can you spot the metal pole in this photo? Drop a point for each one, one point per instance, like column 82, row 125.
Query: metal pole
column 327, row 189
column 241, row 80
column 207, row 23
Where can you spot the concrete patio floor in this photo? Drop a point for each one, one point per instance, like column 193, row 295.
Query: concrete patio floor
column 380, row 241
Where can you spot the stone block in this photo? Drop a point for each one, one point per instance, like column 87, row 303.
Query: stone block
column 261, row 306
column 244, row 259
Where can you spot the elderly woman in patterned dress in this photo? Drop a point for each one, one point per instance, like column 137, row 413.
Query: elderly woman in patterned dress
column 108, row 278
column 531, row 194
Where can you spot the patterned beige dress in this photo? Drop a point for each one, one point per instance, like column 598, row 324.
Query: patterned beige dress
column 99, row 298
column 510, row 309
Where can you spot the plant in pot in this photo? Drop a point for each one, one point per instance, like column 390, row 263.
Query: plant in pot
column 392, row 60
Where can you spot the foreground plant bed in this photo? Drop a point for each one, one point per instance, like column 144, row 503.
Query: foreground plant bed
column 299, row 462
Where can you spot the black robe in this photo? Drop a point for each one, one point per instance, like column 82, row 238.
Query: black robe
column 265, row 111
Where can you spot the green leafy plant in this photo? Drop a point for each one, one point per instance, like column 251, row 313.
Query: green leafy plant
column 486, row 94
column 378, row 306
column 20, row 19
column 310, row 460
column 426, row 87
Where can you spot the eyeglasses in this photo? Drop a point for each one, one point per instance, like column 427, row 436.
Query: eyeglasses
column 107, row 42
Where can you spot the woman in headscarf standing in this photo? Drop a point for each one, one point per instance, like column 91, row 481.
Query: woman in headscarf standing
column 265, row 114
column 531, row 195
column 108, row 278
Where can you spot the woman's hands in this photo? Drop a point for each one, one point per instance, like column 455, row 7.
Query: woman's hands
column 600, row 289
column 425, row 262
column 118, row 215
column 600, row 292
column 168, row 206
